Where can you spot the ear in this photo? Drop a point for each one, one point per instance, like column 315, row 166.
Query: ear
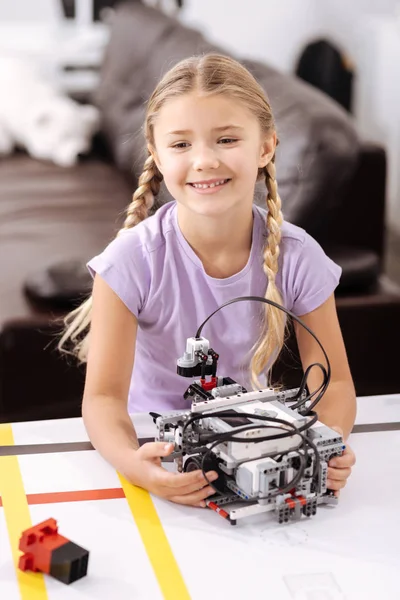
column 267, row 150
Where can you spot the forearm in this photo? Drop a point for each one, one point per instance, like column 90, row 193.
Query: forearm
column 110, row 429
column 338, row 406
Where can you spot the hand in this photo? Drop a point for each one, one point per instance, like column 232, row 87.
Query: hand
column 339, row 468
column 145, row 470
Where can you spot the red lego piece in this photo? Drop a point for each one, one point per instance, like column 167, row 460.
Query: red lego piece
column 49, row 552
column 209, row 385
column 302, row 500
column 290, row 502
column 218, row 509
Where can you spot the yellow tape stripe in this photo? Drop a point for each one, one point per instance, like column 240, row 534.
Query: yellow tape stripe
column 15, row 505
column 156, row 543
column 6, row 435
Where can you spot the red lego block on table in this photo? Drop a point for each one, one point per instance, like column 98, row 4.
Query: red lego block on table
column 47, row 551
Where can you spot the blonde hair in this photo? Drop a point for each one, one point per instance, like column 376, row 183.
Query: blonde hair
column 209, row 74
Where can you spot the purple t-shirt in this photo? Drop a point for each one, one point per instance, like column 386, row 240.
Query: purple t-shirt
column 155, row 272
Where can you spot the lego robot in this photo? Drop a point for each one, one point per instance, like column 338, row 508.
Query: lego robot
column 268, row 447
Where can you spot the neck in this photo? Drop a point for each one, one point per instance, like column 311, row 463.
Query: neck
column 222, row 243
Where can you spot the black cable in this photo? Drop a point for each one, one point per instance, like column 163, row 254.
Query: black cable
column 222, row 414
column 232, row 436
column 289, row 485
column 303, row 384
column 293, row 316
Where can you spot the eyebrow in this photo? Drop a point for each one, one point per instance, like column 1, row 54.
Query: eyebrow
column 218, row 129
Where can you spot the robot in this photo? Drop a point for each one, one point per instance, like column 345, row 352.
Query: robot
column 268, row 447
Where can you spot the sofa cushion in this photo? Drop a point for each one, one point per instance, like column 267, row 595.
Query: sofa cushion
column 319, row 145
column 50, row 214
column 360, row 268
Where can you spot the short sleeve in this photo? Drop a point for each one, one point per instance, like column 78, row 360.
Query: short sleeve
column 311, row 275
column 124, row 267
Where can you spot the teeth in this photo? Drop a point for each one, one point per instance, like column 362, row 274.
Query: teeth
column 203, row 186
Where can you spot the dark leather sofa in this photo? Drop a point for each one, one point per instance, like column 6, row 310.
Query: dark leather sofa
column 330, row 182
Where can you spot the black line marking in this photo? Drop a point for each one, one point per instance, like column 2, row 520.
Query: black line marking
column 374, row 427
column 81, row 446
column 49, row 448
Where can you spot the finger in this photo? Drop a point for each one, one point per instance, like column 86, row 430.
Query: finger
column 346, row 455
column 348, row 459
column 334, row 484
column 194, row 499
column 196, row 487
column 338, row 474
column 155, row 450
column 186, row 481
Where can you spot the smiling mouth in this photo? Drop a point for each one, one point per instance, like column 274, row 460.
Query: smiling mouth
column 213, row 184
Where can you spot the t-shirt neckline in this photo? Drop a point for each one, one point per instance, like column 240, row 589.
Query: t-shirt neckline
column 255, row 245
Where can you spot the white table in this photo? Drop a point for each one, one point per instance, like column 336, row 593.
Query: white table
column 345, row 552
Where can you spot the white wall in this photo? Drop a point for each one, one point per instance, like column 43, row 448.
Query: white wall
column 29, row 10
column 272, row 30
column 276, row 30
column 343, row 19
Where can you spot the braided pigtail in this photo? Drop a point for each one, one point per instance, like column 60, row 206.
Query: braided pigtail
column 272, row 337
column 143, row 198
column 77, row 322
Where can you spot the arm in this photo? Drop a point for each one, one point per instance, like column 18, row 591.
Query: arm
column 109, row 367
column 337, row 407
column 105, row 413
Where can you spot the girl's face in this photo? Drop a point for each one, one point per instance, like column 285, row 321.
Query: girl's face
column 209, row 150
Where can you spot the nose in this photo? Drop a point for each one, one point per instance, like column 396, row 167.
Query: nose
column 205, row 158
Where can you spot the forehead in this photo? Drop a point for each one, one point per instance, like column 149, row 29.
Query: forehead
column 192, row 112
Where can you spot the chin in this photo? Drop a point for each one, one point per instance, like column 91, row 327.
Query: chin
column 210, row 207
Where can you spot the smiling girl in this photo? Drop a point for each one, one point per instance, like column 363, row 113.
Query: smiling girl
column 210, row 136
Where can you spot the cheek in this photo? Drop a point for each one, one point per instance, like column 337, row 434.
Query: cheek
column 174, row 169
column 244, row 159
column 245, row 165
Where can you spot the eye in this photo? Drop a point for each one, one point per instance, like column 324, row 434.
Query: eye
column 180, row 145
column 228, row 140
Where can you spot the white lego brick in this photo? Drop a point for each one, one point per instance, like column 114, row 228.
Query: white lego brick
column 247, row 511
column 211, row 405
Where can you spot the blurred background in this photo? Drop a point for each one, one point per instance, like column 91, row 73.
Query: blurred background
column 74, row 76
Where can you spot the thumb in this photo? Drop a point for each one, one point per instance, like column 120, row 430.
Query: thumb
column 156, row 449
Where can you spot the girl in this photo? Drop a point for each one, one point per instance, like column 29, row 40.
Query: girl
column 210, row 136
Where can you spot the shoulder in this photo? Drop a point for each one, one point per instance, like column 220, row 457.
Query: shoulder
column 306, row 275
column 138, row 245
column 128, row 263
column 148, row 236
column 292, row 236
